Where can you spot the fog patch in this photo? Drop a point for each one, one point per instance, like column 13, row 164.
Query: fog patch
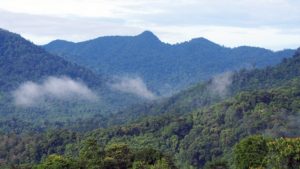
column 133, row 85
column 286, row 126
column 31, row 94
column 220, row 84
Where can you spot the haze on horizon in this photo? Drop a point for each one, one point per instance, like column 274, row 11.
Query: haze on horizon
column 273, row 24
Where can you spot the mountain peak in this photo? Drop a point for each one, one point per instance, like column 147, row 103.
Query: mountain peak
column 148, row 35
column 203, row 42
column 200, row 40
column 60, row 42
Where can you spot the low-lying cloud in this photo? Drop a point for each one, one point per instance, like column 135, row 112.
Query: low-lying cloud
column 220, row 83
column 133, row 85
column 31, row 94
column 287, row 126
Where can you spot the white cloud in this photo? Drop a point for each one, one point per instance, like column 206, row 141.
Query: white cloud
column 180, row 11
column 63, row 88
column 133, row 85
column 220, row 83
column 43, row 29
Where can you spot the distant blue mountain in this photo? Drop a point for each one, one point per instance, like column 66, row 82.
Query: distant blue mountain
column 164, row 67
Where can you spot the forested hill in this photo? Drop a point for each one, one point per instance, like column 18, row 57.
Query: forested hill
column 164, row 67
column 209, row 134
column 198, row 139
column 21, row 60
column 220, row 87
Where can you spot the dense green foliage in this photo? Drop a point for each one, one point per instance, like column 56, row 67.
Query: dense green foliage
column 261, row 153
column 250, row 153
column 114, row 156
column 32, row 147
column 207, row 134
column 164, row 67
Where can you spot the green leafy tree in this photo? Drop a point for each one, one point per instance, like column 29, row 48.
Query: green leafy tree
column 90, row 154
column 119, row 156
column 161, row 164
column 250, row 152
column 57, row 162
column 148, row 155
column 284, row 153
column 140, row 165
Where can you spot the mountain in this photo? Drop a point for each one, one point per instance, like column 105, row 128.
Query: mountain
column 165, row 68
column 29, row 75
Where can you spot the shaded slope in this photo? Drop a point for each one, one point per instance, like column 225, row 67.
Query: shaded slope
column 20, row 61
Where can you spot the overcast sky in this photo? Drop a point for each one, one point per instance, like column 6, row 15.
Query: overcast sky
column 273, row 24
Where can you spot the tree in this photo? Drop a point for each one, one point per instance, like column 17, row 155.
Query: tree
column 119, row 156
column 250, row 152
column 161, row 164
column 284, row 153
column 57, row 162
column 90, row 154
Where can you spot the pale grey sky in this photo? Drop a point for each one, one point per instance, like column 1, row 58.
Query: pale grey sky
column 273, row 24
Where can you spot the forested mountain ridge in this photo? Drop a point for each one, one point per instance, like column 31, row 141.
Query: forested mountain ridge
column 165, row 68
column 21, row 60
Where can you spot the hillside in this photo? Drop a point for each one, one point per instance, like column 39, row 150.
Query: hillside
column 196, row 97
column 165, row 68
column 219, row 88
column 192, row 140
column 37, row 87
column 210, row 133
